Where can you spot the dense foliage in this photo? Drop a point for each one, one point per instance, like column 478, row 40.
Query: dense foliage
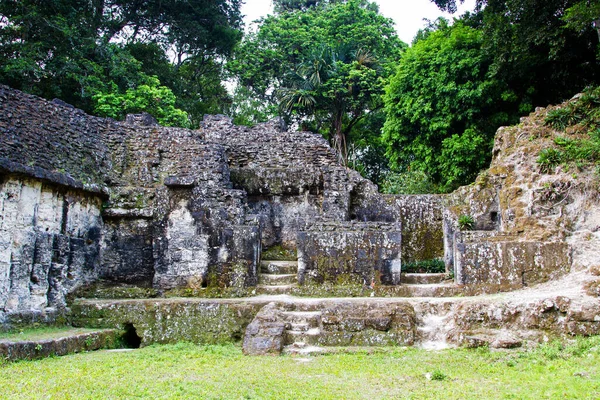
column 459, row 83
column 442, row 108
column 414, row 120
column 329, row 74
column 81, row 51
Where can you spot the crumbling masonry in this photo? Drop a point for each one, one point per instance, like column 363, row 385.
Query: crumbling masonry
column 86, row 200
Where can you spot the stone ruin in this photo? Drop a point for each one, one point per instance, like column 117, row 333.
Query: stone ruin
column 172, row 231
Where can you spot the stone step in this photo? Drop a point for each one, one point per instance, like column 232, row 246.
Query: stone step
column 300, row 327
column 309, row 337
column 311, row 318
column 429, row 290
column 275, row 279
column 302, row 349
column 279, row 267
column 272, row 289
column 71, row 341
column 423, row 279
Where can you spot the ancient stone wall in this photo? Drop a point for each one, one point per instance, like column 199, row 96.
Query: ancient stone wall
column 51, row 141
column 49, row 242
column 286, row 175
column 142, row 177
column 170, row 321
column 350, row 253
column 485, row 258
column 126, row 251
column 421, row 217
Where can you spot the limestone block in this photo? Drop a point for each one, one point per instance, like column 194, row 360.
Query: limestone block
column 358, row 253
column 265, row 334
column 490, row 260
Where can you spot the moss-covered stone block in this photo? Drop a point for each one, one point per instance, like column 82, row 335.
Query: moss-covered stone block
column 170, row 320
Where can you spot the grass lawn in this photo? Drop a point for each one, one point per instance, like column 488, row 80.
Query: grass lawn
column 187, row 371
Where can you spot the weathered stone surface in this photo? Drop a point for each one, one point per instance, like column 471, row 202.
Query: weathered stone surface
column 421, row 217
column 264, row 335
column 74, row 343
column 170, row 320
column 190, row 210
column 370, row 324
column 353, row 252
column 49, row 242
column 490, row 260
column 126, row 251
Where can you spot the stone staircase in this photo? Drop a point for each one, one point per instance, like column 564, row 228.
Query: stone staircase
column 302, row 331
column 427, row 285
column 280, row 277
column 423, row 279
column 277, row 277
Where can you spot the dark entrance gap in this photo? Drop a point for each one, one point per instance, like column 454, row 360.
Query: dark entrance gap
column 130, row 338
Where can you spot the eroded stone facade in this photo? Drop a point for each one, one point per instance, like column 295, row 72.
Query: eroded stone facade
column 86, row 200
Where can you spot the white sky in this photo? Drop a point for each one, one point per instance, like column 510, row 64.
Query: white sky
column 407, row 14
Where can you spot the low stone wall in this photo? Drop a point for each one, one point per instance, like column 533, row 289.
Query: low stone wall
column 170, row 320
column 375, row 324
column 421, row 217
column 330, row 323
column 34, row 349
column 267, row 327
column 482, row 258
column 350, row 252
column 533, row 319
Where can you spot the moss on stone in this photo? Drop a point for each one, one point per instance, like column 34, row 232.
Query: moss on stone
column 170, row 320
column 279, row 253
column 110, row 290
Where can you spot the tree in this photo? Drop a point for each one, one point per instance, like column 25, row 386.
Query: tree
column 533, row 52
column 443, row 109
column 330, row 74
column 149, row 97
column 584, row 14
column 78, row 49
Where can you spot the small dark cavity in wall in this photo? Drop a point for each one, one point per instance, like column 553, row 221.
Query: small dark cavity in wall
column 494, row 216
column 130, row 338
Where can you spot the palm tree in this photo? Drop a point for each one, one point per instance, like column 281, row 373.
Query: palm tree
column 322, row 82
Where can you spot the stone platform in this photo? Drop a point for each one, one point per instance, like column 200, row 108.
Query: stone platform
column 271, row 324
column 63, row 343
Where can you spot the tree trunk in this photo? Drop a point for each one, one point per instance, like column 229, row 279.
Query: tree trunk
column 339, row 138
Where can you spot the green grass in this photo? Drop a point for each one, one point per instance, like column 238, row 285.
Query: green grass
column 188, row 371
column 581, row 116
column 41, row 333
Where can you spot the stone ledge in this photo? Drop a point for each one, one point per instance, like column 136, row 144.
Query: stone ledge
column 55, row 177
column 34, row 349
column 128, row 213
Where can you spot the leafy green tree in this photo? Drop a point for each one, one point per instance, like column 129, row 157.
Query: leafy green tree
column 78, row 49
column 443, row 109
column 150, row 97
column 330, row 74
column 531, row 49
column 584, row 14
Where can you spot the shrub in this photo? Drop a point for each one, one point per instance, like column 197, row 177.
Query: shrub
column 435, row 266
column 466, row 222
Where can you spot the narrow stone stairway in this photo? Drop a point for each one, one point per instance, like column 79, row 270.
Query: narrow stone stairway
column 302, row 332
column 427, row 285
column 277, row 277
